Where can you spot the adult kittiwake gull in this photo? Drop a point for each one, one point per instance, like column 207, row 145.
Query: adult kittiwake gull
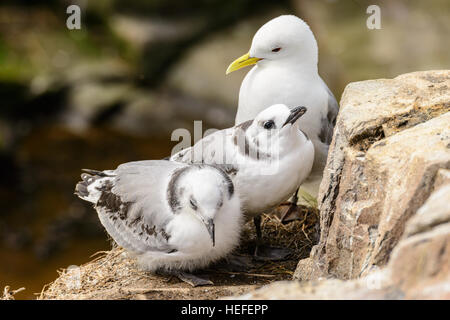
column 285, row 54
column 173, row 217
column 267, row 158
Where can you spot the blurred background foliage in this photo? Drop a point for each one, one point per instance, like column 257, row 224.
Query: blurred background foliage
column 138, row 69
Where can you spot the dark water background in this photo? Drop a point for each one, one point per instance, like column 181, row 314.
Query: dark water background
column 116, row 89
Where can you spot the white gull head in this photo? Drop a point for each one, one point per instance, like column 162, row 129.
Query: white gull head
column 284, row 41
column 201, row 191
column 285, row 38
column 275, row 130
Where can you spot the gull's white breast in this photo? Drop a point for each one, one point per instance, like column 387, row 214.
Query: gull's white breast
column 193, row 243
column 266, row 184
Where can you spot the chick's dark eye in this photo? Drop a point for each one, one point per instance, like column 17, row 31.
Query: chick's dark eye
column 269, row 124
column 193, row 204
column 276, row 49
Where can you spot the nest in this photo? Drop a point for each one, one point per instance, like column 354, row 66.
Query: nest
column 114, row 275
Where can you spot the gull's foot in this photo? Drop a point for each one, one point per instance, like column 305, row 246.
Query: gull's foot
column 267, row 253
column 189, row 278
column 193, row 280
column 291, row 214
column 295, row 212
column 298, row 211
column 239, row 263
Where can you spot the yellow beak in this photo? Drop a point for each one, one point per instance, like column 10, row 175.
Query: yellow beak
column 241, row 62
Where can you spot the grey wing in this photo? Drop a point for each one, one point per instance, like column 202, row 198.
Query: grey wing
column 182, row 156
column 132, row 205
column 328, row 123
column 214, row 150
column 208, row 150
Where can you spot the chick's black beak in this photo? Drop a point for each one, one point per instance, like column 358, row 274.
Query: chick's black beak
column 295, row 114
column 210, row 227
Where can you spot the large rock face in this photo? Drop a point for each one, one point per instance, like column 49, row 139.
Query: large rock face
column 420, row 263
column 385, row 197
column 419, row 266
column 391, row 139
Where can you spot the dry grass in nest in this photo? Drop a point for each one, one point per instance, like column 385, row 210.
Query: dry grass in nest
column 8, row 294
column 299, row 236
column 114, row 275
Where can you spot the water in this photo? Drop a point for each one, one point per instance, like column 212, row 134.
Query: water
column 44, row 227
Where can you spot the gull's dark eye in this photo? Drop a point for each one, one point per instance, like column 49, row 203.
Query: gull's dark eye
column 269, row 124
column 193, row 204
column 276, row 49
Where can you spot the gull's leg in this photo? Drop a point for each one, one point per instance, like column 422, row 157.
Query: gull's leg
column 292, row 210
column 257, row 223
column 267, row 253
column 295, row 197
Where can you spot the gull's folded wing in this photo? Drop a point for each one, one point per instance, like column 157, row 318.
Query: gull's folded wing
column 215, row 149
column 133, row 206
column 326, row 132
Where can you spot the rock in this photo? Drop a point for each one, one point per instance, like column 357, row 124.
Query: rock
column 348, row 50
column 332, row 289
column 419, row 267
column 138, row 111
column 391, row 139
column 202, row 71
column 141, row 31
column 436, row 210
column 89, row 100
column 420, row 264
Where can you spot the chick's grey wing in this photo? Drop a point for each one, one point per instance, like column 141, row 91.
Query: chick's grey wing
column 182, row 156
column 132, row 206
column 215, row 150
column 328, row 122
column 209, row 150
